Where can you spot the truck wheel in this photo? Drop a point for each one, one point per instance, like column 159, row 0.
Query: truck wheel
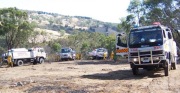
column 1, row 63
column 62, row 59
column 35, row 62
column 72, row 58
column 20, row 63
column 174, row 66
column 41, row 60
column 135, row 70
column 94, row 57
column 166, row 69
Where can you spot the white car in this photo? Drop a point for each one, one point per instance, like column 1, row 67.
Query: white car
column 92, row 54
column 101, row 52
column 98, row 53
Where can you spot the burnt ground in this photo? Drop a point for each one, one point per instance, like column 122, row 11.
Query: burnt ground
column 86, row 76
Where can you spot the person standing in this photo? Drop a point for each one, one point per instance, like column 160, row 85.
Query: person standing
column 9, row 60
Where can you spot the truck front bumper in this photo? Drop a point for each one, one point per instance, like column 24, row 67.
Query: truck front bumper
column 160, row 64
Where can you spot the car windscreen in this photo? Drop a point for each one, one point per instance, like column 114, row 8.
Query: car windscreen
column 101, row 50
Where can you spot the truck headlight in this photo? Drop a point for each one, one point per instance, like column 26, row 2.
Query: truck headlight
column 156, row 58
column 135, row 59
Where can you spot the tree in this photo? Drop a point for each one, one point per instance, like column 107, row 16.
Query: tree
column 126, row 23
column 148, row 11
column 33, row 38
column 136, row 8
column 166, row 12
column 110, row 43
column 62, row 32
column 83, row 42
column 56, row 47
column 44, row 34
column 15, row 27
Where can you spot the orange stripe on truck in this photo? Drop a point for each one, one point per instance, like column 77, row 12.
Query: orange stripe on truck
column 121, row 50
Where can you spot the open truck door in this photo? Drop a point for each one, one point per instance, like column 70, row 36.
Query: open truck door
column 121, row 45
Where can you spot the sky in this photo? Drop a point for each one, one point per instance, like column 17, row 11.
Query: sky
column 103, row 10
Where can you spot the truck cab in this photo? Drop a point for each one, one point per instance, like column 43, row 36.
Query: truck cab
column 151, row 47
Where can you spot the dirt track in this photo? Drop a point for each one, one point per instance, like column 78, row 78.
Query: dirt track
column 86, row 76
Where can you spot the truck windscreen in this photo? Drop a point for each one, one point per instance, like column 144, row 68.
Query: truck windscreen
column 145, row 38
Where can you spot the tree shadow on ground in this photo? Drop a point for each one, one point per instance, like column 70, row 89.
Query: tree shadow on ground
column 125, row 75
column 97, row 62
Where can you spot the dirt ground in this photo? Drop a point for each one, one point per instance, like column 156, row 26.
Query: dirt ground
column 86, row 76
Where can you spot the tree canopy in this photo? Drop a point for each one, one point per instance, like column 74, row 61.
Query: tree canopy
column 145, row 12
column 15, row 27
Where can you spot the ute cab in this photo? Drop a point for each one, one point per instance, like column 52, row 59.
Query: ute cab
column 151, row 47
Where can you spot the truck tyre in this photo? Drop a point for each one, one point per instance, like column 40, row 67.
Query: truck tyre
column 62, row 59
column 174, row 63
column 94, row 57
column 135, row 70
column 174, row 66
column 72, row 58
column 35, row 62
column 1, row 63
column 41, row 60
column 20, row 63
column 166, row 68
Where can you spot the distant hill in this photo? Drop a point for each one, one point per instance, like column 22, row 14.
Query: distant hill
column 68, row 24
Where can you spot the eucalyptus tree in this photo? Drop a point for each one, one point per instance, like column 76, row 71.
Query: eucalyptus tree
column 15, row 27
column 167, row 12
column 136, row 8
column 135, row 17
column 126, row 23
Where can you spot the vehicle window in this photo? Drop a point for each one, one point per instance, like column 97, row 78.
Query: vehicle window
column 164, row 34
column 121, row 41
column 169, row 35
column 65, row 50
column 147, row 38
column 73, row 52
column 30, row 50
column 100, row 50
column 167, row 29
column 41, row 50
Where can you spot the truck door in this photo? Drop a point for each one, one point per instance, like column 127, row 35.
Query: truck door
column 42, row 52
column 121, row 45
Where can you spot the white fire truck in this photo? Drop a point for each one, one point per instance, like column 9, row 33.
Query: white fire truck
column 151, row 47
column 23, row 55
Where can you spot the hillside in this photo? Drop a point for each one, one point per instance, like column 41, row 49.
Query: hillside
column 68, row 24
